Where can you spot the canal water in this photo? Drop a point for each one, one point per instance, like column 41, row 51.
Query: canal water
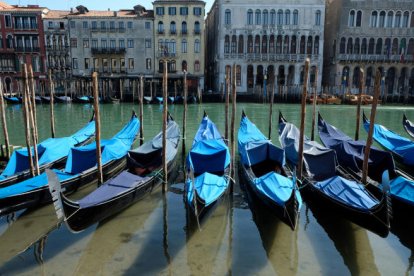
column 154, row 236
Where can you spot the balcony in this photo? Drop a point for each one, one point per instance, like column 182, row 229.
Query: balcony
column 184, row 32
column 197, row 32
column 271, row 57
column 160, row 31
column 27, row 49
column 104, row 51
column 374, row 58
column 161, row 54
column 25, row 27
column 173, row 32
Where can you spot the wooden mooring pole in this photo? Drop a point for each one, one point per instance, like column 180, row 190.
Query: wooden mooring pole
column 97, row 127
column 302, row 119
column 232, row 126
column 27, row 120
column 371, row 127
column 272, row 97
column 185, row 112
column 164, row 126
column 358, row 114
column 226, row 108
column 33, row 118
column 141, row 110
column 315, row 99
column 52, row 100
column 4, row 122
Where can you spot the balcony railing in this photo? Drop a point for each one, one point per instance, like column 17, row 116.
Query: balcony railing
column 197, row 32
column 160, row 31
column 25, row 26
column 270, row 57
column 27, row 49
column 161, row 54
column 173, row 32
column 101, row 50
column 183, row 32
column 378, row 58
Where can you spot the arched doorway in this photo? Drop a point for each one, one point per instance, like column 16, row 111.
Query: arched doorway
column 356, row 77
column 345, row 76
column 259, row 76
column 8, row 82
column 390, row 81
column 281, row 75
column 250, row 76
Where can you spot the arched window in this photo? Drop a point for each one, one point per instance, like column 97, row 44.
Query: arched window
column 250, row 76
column 250, row 17
column 161, row 45
column 364, row 46
column 287, row 17
column 227, row 17
column 184, row 46
column 351, row 18
column 302, row 44
column 273, row 17
column 197, row 66
column 197, row 27
column 405, row 19
column 378, row 48
column 397, row 23
column 394, row 50
column 264, row 44
column 238, row 75
column 295, row 17
column 349, row 46
column 403, row 48
column 390, row 18
column 374, row 19
column 226, row 44
column 233, row 44
column 293, row 45
column 279, row 17
column 160, row 27
column 173, row 29
column 272, row 44
column 371, row 46
column 382, row 19
column 316, row 46
column 356, row 46
column 197, row 46
column 318, row 18
column 410, row 49
column 258, row 17
column 184, row 27
column 184, row 66
column 342, row 45
column 309, row 46
column 286, row 45
column 241, row 44
column 250, row 44
column 359, row 18
column 279, row 44
column 412, row 22
column 265, row 17
column 387, row 47
column 257, row 44
column 172, row 47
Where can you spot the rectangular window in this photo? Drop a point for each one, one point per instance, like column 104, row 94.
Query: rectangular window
column 87, row 63
column 94, row 43
column 73, row 42
column 121, row 25
column 122, row 44
column 114, row 64
column 172, row 10
column 159, row 11
column 122, row 61
column 105, row 64
column 103, row 25
column 74, row 63
column 94, row 25
column 72, row 24
column 197, row 11
column 183, row 11
column 131, row 63
column 50, row 25
column 129, row 25
column 148, row 25
column 7, row 18
column 112, row 43
column 148, row 43
column 104, row 43
column 130, row 43
column 86, row 43
column 85, row 24
column 95, row 64
column 148, row 63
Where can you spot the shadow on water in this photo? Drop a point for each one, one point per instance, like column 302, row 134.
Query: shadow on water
column 349, row 239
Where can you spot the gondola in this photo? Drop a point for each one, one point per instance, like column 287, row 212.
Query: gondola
column 38, row 99
column 45, row 99
column 12, row 100
column 147, row 100
column 264, row 170
column 81, row 100
column 408, row 126
column 329, row 185
column 52, row 153
column 80, row 170
column 208, row 166
column 109, row 99
column 63, row 99
column 144, row 173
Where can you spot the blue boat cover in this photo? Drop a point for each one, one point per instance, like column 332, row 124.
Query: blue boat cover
column 83, row 98
column 112, row 149
column 209, row 187
column 403, row 189
column 120, row 184
column 320, row 162
column 49, row 151
column 348, row 192
column 12, row 99
column 277, row 188
column 254, row 147
column 350, row 153
column 394, row 142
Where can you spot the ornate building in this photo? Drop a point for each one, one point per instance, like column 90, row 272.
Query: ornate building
column 263, row 39
column 21, row 41
column 179, row 34
column 370, row 35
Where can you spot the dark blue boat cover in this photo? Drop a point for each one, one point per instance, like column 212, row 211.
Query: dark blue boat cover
column 254, row 147
column 320, row 162
column 394, row 142
column 112, row 188
column 113, row 149
column 350, row 153
column 49, row 151
column 209, row 187
column 348, row 192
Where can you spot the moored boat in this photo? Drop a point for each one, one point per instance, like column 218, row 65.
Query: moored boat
column 12, row 100
column 408, row 126
column 63, row 99
column 81, row 100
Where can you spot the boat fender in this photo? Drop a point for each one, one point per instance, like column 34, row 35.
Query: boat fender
column 55, row 190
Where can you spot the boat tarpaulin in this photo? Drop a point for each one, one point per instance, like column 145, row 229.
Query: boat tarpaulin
column 349, row 192
column 50, row 150
column 403, row 189
column 208, row 186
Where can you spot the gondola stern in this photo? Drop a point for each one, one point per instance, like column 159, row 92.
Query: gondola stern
column 364, row 118
column 282, row 119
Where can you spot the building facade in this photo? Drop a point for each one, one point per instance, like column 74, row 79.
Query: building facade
column 116, row 44
column 58, row 57
column 370, row 35
column 264, row 40
column 179, row 34
column 21, row 41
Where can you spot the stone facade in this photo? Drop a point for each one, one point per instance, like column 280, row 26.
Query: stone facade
column 264, row 39
column 179, row 34
column 371, row 35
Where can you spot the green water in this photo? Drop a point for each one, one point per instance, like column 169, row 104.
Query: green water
column 153, row 236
